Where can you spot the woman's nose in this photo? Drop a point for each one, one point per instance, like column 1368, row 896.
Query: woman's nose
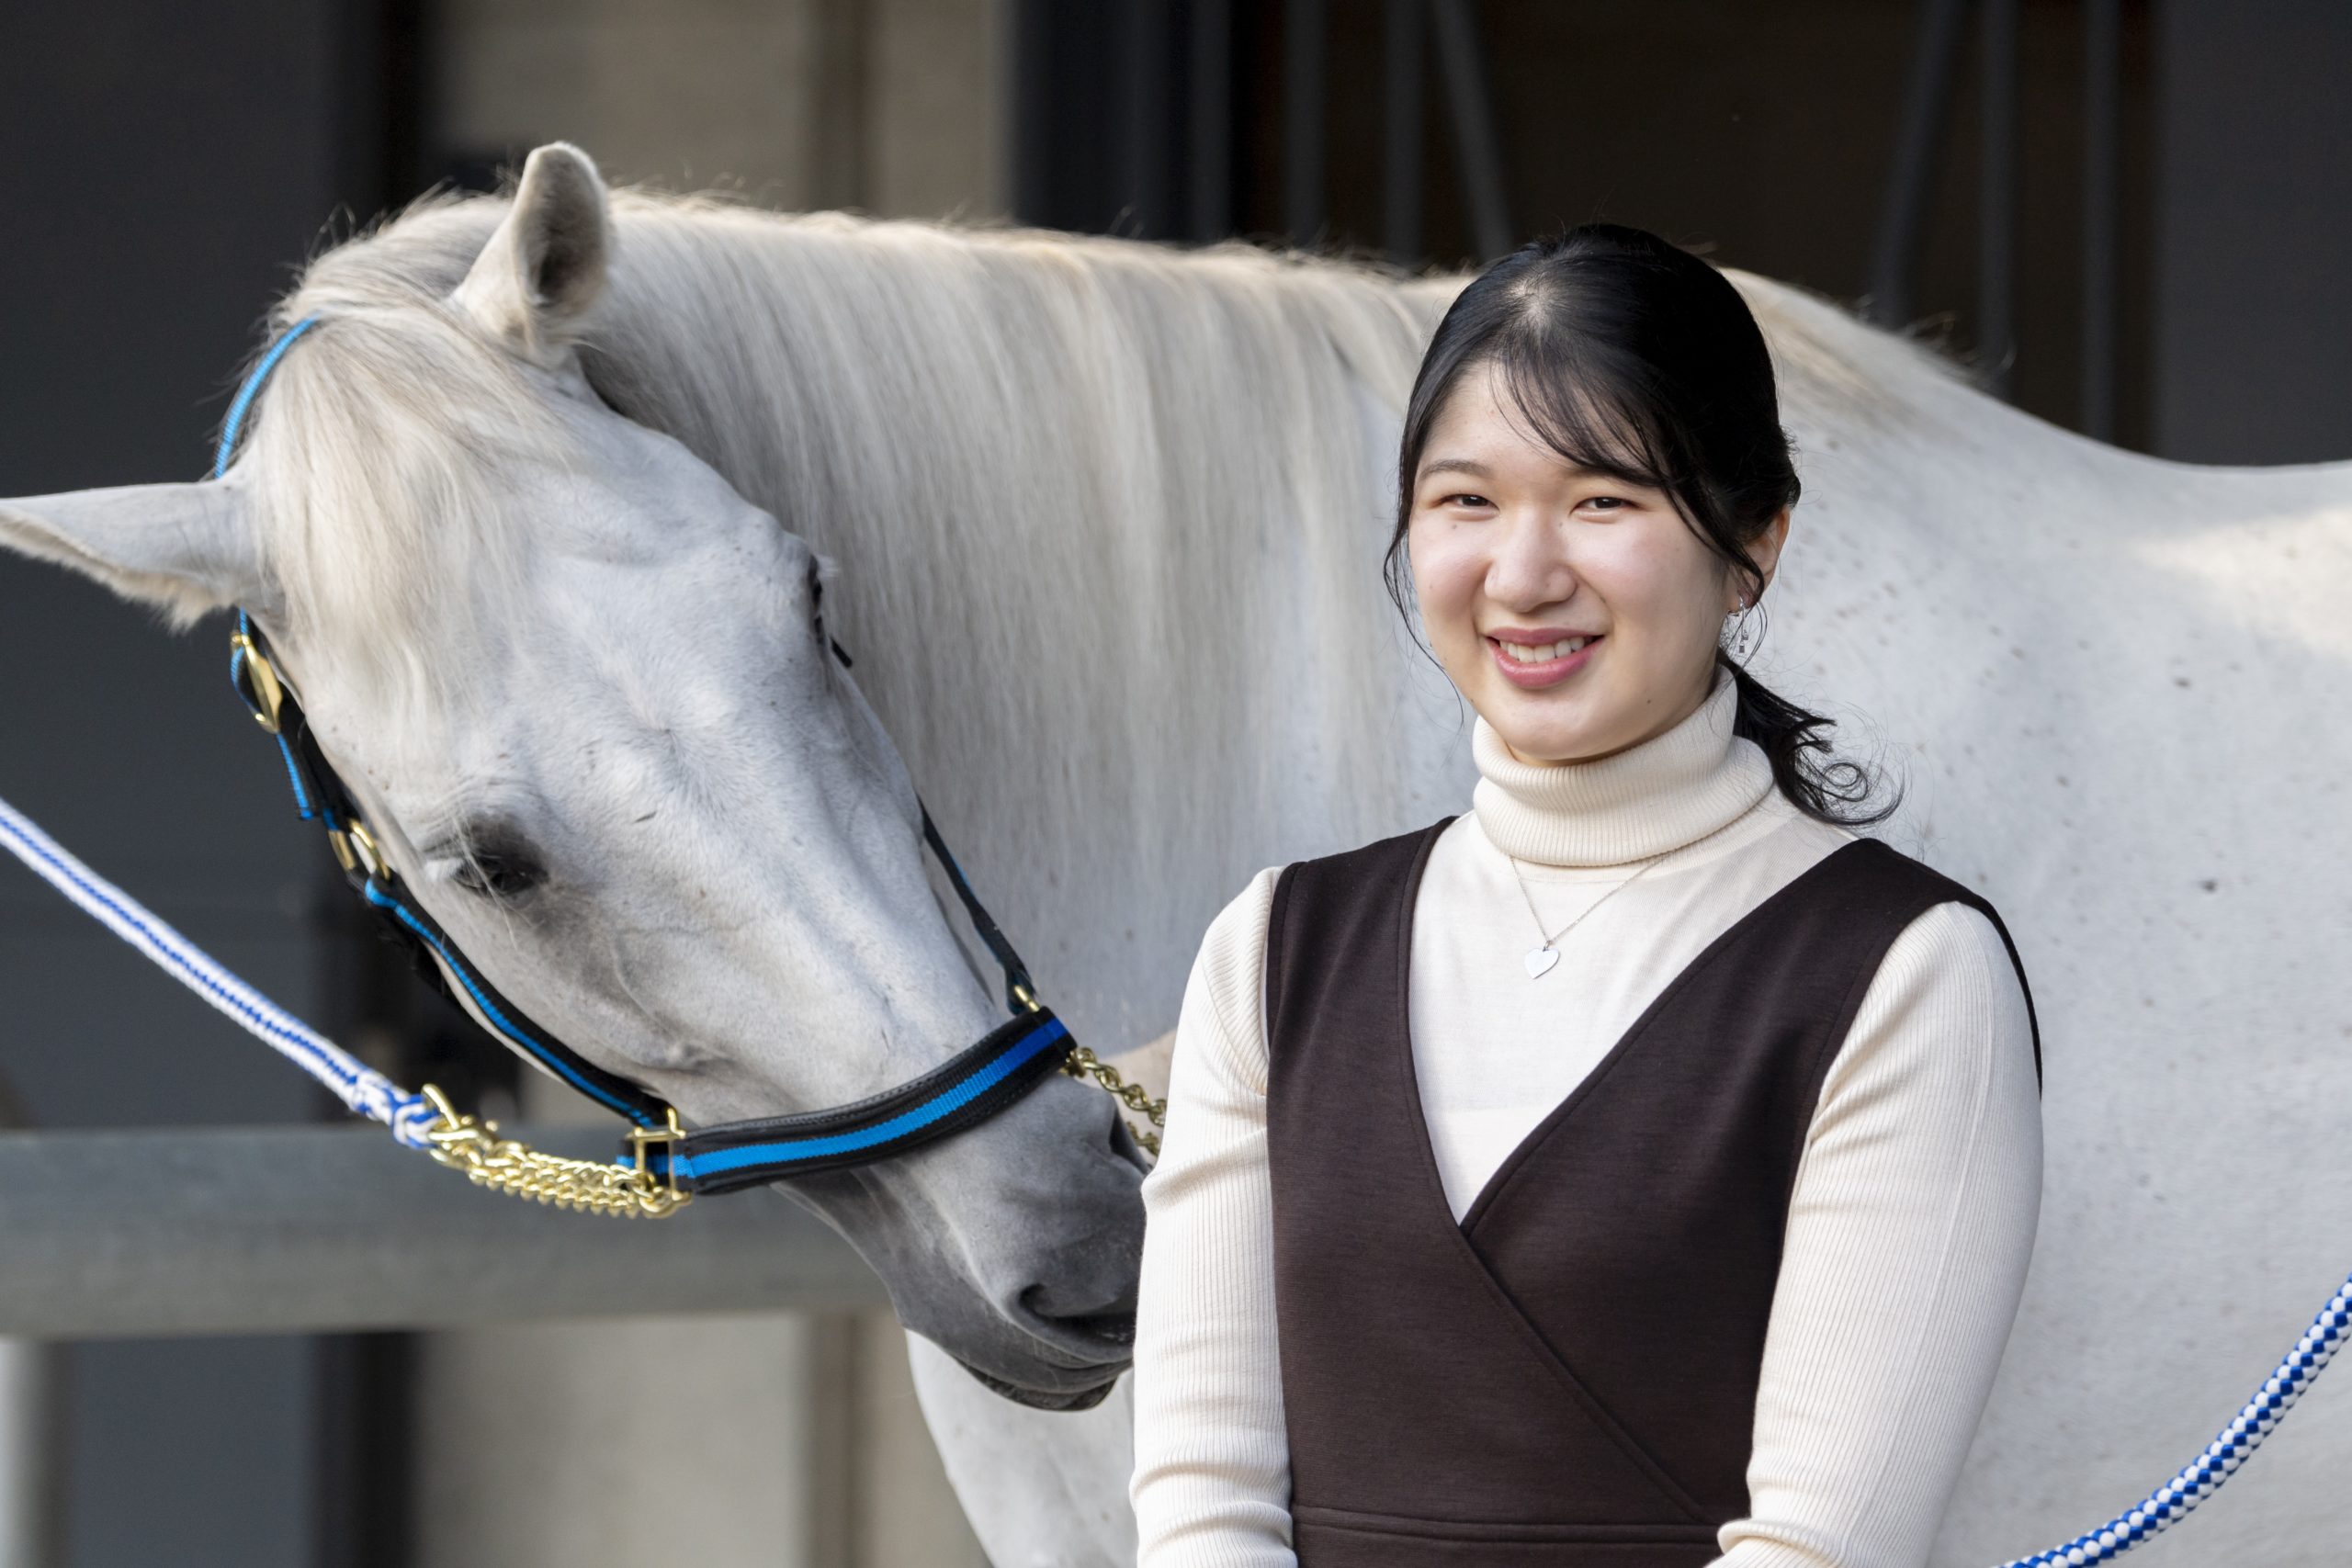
column 1530, row 565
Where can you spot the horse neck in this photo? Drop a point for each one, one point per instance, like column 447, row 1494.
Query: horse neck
column 1085, row 495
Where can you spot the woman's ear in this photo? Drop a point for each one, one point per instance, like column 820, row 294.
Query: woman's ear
column 1766, row 547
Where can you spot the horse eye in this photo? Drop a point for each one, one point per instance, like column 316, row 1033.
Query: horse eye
column 498, row 873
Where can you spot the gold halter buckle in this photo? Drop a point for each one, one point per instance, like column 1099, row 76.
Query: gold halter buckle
column 270, row 692
column 642, row 1140
column 355, row 849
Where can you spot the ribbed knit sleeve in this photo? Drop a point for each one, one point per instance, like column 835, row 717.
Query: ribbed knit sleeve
column 1910, row 1227
column 1211, row 1485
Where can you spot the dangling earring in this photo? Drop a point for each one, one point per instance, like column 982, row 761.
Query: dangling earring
column 1743, row 635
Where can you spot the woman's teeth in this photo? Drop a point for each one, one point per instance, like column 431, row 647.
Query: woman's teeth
column 1523, row 653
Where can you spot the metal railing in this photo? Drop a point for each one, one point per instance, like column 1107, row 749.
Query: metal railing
column 277, row 1230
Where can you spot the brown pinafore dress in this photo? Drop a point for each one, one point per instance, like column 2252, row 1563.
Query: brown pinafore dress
column 1566, row 1377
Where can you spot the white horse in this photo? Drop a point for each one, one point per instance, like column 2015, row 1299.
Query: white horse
column 535, row 517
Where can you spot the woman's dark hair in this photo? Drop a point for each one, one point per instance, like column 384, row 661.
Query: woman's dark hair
column 1630, row 356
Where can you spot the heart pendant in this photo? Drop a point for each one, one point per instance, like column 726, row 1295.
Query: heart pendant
column 1539, row 960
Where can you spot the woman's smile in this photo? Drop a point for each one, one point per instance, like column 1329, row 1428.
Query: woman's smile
column 1532, row 660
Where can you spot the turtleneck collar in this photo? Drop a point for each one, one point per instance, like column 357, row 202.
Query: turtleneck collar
column 1642, row 802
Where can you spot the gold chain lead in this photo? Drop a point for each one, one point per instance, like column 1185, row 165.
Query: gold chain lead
column 1082, row 1064
column 593, row 1187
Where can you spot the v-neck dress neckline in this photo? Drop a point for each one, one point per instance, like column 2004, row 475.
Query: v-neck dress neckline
column 1425, row 1148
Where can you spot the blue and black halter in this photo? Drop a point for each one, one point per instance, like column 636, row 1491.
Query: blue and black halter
column 991, row 1074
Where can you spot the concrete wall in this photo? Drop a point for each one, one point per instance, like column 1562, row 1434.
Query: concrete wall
column 677, row 1439
column 29, row 1523
column 789, row 1440
column 892, row 106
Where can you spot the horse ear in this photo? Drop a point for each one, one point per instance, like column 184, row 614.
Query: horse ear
column 186, row 548
column 546, row 262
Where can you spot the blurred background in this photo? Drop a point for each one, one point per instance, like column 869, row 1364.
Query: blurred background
column 2133, row 219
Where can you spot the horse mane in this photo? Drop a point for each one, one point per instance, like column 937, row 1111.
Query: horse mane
column 1843, row 370
column 1076, row 486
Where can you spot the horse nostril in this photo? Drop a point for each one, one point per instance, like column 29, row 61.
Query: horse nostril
column 1113, row 1327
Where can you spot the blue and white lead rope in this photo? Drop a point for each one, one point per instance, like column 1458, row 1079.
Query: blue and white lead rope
column 2174, row 1501
column 358, row 1086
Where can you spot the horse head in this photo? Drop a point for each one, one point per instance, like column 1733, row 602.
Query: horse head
column 583, row 691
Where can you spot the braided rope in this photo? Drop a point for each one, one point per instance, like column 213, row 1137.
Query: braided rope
column 2174, row 1501
column 358, row 1084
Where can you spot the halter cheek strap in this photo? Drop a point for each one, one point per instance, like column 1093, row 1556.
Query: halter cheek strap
column 991, row 1074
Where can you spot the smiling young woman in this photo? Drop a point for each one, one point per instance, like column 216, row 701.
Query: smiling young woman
column 1641, row 1167
column 1526, row 563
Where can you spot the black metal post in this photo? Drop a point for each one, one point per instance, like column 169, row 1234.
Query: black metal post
column 1475, row 138
column 1894, row 258
column 2102, row 181
column 1211, row 114
column 1402, row 196
column 1148, row 177
column 1996, row 231
column 1304, row 26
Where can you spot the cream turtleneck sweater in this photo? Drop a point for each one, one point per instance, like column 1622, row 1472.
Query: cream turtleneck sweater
column 1911, row 1222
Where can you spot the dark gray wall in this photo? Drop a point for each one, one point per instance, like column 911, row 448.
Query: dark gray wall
column 161, row 166
column 2253, row 263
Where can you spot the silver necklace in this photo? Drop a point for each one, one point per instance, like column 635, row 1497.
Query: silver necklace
column 1540, row 958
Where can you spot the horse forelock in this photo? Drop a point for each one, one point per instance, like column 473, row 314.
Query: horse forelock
column 376, row 459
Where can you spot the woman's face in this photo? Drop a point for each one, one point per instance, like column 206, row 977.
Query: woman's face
column 1579, row 615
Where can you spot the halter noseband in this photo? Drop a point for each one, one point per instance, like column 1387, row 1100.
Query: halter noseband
column 989, row 1075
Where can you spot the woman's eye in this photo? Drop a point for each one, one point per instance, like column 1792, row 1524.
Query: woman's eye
column 1466, row 499
column 1609, row 503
